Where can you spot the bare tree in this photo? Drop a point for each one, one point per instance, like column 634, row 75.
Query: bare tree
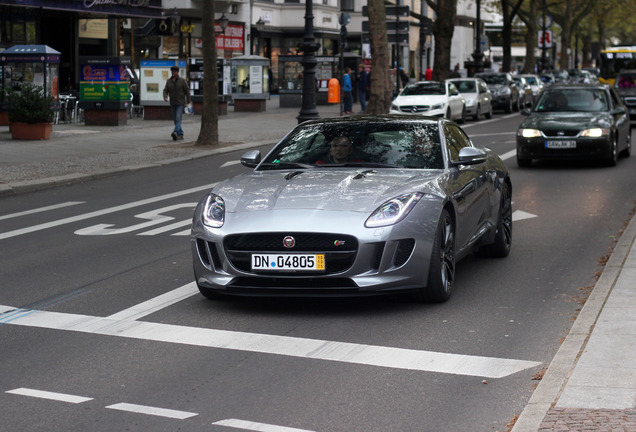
column 509, row 9
column 568, row 14
column 209, row 132
column 443, row 29
column 380, row 88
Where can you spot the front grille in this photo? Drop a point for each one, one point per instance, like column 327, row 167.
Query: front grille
column 340, row 250
column 414, row 108
column 630, row 101
column 560, row 133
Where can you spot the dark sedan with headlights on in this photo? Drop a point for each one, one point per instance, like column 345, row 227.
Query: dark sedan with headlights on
column 572, row 121
column 363, row 205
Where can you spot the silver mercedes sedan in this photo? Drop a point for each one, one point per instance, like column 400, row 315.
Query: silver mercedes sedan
column 361, row 205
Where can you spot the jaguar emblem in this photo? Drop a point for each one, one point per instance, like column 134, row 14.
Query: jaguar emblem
column 289, row 242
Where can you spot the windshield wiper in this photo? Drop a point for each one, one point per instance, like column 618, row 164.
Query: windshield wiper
column 286, row 165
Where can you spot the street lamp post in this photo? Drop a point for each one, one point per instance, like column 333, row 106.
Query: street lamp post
column 309, row 47
column 478, row 65
column 260, row 25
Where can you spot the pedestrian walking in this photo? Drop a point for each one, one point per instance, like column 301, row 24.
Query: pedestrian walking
column 347, row 89
column 363, row 86
column 177, row 92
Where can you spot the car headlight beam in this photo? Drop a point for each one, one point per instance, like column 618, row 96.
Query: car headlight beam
column 529, row 133
column 214, row 211
column 393, row 210
column 595, row 132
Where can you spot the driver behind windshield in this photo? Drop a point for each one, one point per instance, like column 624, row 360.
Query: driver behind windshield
column 340, row 150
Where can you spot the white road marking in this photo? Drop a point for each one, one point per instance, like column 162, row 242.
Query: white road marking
column 161, row 412
column 372, row 355
column 153, row 217
column 518, row 215
column 90, row 215
column 508, row 155
column 157, row 303
column 41, row 209
column 62, row 397
column 187, row 222
column 230, row 163
column 253, row 426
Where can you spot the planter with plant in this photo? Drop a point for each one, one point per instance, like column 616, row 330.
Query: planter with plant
column 31, row 113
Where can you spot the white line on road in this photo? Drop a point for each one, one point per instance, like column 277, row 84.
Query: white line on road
column 230, row 163
column 85, row 216
column 41, row 209
column 62, row 397
column 372, row 355
column 253, row 426
column 161, row 412
column 157, row 303
column 508, row 155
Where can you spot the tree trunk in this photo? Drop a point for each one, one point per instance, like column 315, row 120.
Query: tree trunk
column 443, row 29
column 380, row 88
column 530, row 20
column 209, row 133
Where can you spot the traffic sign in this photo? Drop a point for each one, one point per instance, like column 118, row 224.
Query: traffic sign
column 548, row 39
column 402, row 26
column 391, row 11
column 344, row 19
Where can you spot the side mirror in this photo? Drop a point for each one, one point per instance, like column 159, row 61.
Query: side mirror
column 619, row 110
column 471, row 156
column 251, row 158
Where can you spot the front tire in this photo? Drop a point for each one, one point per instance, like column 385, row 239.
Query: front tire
column 441, row 272
column 463, row 117
column 476, row 115
column 500, row 248
column 612, row 159
column 489, row 113
column 523, row 163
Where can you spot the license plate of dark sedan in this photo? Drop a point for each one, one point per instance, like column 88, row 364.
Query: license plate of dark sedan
column 560, row 144
column 288, row 262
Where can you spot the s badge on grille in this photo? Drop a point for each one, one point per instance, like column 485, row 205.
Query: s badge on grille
column 289, row 242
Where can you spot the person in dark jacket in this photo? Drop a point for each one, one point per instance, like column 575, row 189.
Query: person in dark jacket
column 363, row 85
column 177, row 92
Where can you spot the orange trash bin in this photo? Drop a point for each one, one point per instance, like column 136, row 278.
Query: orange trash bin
column 334, row 91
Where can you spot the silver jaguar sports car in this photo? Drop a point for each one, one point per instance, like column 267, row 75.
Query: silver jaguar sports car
column 354, row 206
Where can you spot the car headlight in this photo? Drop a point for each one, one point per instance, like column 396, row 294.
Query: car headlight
column 595, row 132
column 529, row 133
column 393, row 210
column 214, row 211
column 437, row 106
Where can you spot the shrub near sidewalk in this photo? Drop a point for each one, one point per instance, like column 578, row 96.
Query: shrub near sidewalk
column 30, row 113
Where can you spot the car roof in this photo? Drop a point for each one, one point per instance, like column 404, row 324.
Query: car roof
column 563, row 86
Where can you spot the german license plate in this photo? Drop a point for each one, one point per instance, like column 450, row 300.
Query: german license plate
column 560, row 144
column 288, row 262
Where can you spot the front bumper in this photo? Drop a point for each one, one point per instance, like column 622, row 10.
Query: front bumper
column 536, row 148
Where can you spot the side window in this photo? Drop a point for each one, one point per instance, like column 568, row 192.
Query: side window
column 456, row 139
column 616, row 99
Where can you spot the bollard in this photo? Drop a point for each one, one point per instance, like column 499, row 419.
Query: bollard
column 334, row 91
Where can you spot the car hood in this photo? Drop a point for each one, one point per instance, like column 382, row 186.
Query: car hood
column 571, row 120
column 359, row 190
column 631, row 91
column 420, row 100
column 497, row 87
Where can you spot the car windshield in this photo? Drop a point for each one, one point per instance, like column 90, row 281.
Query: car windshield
column 573, row 100
column 425, row 88
column 493, row 79
column 371, row 144
column 531, row 80
column 465, row 86
column 625, row 80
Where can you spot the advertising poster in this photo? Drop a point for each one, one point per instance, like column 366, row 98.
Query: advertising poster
column 154, row 74
column 104, row 82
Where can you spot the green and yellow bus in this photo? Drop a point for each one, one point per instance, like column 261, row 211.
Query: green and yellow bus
column 614, row 60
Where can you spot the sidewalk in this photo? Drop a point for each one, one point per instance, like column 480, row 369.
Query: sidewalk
column 589, row 386
column 77, row 152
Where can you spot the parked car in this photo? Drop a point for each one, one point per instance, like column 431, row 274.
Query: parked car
column 431, row 98
column 477, row 96
column 535, row 83
column 525, row 91
column 575, row 121
column 504, row 91
column 391, row 207
column 625, row 85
